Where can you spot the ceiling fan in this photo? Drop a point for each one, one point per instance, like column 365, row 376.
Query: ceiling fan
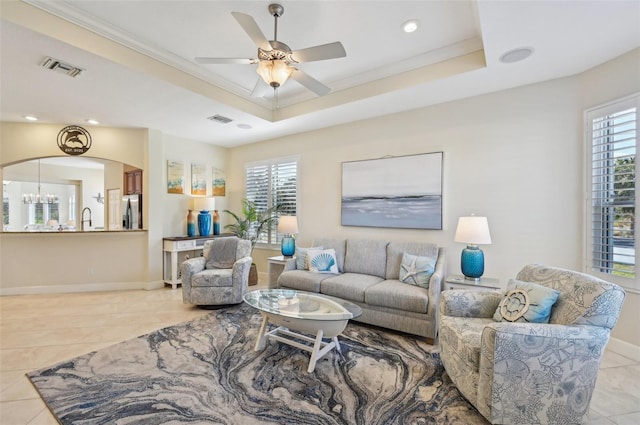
column 276, row 61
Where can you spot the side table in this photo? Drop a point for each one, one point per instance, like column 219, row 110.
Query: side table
column 484, row 284
column 275, row 266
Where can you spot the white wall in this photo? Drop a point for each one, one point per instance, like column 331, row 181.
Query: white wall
column 515, row 156
column 175, row 207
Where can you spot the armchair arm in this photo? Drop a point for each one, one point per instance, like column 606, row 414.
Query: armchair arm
column 240, row 273
column 464, row 303
column 187, row 269
column 535, row 373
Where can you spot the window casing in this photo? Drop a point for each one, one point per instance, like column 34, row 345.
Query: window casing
column 611, row 133
column 269, row 183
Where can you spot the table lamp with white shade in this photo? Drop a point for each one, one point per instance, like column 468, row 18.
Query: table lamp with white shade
column 205, row 205
column 288, row 225
column 473, row 231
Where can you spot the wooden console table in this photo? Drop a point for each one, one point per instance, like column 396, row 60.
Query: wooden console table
column 172, row 247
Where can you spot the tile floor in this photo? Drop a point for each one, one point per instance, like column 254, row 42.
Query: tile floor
column 40, row 330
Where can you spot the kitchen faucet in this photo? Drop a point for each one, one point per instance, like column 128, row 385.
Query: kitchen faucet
column 83, row 220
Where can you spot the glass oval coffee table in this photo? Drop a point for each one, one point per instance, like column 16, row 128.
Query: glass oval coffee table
column 298, row 311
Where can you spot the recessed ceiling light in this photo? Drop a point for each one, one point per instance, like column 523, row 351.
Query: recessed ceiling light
column 244, row 126
column 411, row 25
column 92, row 121
column 516, row 55
column 30, row 118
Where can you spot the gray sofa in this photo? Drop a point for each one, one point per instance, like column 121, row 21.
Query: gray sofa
column 369, row 277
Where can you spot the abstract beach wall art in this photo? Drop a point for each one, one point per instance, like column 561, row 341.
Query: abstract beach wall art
column 397, row 192
column 219, row 182
column 175, row 177
column 198, row 179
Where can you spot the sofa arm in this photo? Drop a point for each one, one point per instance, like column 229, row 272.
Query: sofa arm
column 465, row 303
column 289, row 264
column 187, row 269
column 538, row 373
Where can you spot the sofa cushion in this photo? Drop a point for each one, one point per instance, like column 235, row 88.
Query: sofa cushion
column 416, row 270
column 322, row 261
column 395, row 294
column 302, row 280
column 212, row 277
column 339, row 245
column 366, row 257
column 395, row 250
column 464, row 336
column 526, row 302
column 348, row 286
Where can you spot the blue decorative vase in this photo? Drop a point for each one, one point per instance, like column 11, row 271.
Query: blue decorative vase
column 288, row 246
column 191, row 224
column 472, row 262
column 204, row 223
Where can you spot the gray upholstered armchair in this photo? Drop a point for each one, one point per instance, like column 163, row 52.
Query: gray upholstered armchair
column 220, row 276
column 530, row 373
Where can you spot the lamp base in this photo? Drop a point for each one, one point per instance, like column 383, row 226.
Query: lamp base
column 204, row 223
column 288, row 247
column 472, row 263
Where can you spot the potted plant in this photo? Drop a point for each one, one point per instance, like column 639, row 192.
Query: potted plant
column 251, row 225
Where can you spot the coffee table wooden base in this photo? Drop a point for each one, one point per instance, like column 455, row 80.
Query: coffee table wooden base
column 283, row 334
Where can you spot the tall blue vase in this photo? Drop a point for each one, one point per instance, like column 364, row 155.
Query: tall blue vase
column 472, row 262
column 204, row 223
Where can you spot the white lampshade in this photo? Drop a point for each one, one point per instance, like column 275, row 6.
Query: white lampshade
column 274, row 72
column 204, row 203
column 473, row 231
column 288, row 224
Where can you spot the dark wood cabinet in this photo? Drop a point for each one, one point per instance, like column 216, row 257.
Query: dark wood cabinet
column 133, row 182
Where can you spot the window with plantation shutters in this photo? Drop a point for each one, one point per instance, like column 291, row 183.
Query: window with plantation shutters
column 270, row 183
column 612, row 137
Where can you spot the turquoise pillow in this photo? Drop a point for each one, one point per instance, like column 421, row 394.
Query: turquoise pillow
column 526, row 302
column 416, row 270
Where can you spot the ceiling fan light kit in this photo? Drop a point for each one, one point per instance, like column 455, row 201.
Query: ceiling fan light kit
column 275, row 58
column 274, row 72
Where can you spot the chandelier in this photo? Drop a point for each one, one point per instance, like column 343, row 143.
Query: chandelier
column 39, row 198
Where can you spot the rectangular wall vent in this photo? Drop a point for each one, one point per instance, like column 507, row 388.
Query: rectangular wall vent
column 221, row 119
column 59, row 66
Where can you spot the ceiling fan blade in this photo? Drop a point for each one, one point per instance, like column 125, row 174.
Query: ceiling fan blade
column 261, row 88
column 252, row 29
column 219, row 61
column 309, row 82
column 318, row 53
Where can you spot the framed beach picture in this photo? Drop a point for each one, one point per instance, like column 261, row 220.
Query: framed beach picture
column 199, row 179
column 175, row 177
column 219, row 182
column 398, row 192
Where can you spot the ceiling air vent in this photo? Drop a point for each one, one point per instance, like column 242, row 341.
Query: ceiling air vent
column 59, row 66
column 220, row 118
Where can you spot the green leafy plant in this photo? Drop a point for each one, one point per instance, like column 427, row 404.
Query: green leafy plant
column 252, row 223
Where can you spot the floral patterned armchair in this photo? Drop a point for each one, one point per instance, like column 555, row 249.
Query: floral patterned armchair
column 220, row 276
column 530, row 373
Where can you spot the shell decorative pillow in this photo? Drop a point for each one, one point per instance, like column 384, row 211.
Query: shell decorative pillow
column 322, row 261
column 526, row 302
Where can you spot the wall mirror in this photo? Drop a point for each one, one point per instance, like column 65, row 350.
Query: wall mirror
column 58, row 193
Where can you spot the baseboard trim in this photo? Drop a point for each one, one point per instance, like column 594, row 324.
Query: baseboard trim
column 85, row 287
column 624, row 348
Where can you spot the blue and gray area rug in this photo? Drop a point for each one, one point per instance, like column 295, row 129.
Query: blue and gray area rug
column 206, row 372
